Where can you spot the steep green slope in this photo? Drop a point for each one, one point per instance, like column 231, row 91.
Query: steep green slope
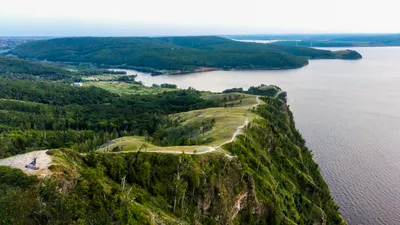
column 283, row 168
column 171, row 53
column 272, row 179
column 12, row 67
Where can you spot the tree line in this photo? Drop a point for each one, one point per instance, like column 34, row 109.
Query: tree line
column 43, row 115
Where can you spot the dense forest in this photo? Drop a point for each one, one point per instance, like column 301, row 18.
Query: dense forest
column 13, row 67
column 265, row 90
column 43, row 115
column 272, row 179
column 171, row 53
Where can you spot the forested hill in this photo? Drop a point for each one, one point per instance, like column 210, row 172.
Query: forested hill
column 12, row 67
column 327, row 40
column 44, row 115
column 171, row 53
column 269, row 176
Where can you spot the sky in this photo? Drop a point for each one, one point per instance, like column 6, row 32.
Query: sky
column 201, row 17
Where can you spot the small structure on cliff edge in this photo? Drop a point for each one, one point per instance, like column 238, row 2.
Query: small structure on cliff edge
column 32, row 165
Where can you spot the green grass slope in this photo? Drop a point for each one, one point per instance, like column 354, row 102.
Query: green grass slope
column 44, row 115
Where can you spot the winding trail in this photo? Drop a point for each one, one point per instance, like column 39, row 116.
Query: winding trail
column 44, row 160
column 240, row 128
column 208, row 149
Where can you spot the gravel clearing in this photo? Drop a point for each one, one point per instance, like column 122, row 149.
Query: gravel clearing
column 43, row 161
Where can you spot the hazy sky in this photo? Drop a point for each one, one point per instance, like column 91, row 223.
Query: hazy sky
column 187, row 17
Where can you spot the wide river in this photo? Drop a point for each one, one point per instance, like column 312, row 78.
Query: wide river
column 349, row 114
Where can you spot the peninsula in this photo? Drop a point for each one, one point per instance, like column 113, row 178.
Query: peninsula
column 174, row 55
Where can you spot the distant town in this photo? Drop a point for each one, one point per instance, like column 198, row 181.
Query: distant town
column 7, row 43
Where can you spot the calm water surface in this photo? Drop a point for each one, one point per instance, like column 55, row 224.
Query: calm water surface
column 349, row 114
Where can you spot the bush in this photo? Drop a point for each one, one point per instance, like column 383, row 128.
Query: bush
column 15, row 177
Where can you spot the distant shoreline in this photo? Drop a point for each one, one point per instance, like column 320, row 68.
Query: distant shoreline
column 217, row 69
column 211, row 70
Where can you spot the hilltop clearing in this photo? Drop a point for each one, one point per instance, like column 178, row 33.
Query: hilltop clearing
column 43, row 161
column 228, row 123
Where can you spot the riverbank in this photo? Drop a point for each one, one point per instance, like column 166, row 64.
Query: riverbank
column 345, row 54
column 353, row 132
column 199, row 70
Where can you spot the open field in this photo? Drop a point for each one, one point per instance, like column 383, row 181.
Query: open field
column 134, row 143
column 126, row 88
column 104, row 77
column 229, row 121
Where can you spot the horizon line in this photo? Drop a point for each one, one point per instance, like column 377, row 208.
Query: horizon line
column 255, row 34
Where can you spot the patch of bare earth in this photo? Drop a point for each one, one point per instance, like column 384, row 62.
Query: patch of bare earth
column 43, row 161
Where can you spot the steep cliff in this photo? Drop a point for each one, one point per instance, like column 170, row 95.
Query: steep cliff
column 266, row 176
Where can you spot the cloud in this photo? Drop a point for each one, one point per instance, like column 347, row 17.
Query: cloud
column 172, row 17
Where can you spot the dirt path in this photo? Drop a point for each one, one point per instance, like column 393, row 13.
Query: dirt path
column 259, row 102
column 43, row 161
column 201, row 150
column 237, row 132
column 240, row 128
column 209, row 149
